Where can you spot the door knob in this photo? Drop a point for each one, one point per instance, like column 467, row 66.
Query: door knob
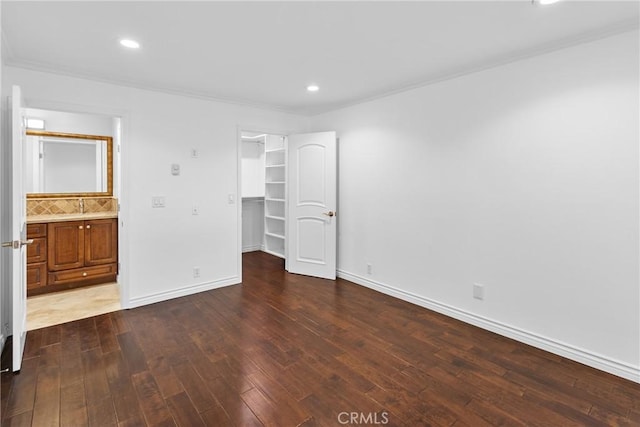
column 329, row 214
column 17, row 244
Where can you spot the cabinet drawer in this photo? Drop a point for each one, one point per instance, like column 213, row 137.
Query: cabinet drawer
column 36, row 230
column 36, row 275
column 37, row 251
column 81, row 274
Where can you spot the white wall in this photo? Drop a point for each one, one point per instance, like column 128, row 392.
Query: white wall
column 252, row 224
column 61, row 121
column 160, row 247
column 252, row 165
column 523, row 178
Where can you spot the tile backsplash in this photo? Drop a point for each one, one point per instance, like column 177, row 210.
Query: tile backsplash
column 62, row 206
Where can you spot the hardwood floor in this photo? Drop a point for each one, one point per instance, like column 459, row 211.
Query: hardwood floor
column 286, row 350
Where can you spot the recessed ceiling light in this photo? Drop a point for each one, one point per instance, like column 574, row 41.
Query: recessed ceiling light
column 313, row 88
column 131, row 44
column 545, row 2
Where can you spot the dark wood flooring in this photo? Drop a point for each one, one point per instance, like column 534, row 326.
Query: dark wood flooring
column 286, row 350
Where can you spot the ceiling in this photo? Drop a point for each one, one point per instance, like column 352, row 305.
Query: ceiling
column 266, row 53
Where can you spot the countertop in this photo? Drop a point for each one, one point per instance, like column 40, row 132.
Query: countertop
column 34, row 219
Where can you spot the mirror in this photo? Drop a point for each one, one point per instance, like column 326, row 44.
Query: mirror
column 68, row 165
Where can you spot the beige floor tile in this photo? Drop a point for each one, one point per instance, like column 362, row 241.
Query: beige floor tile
column 60, row 307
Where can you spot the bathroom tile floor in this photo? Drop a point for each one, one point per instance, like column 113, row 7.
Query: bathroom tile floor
column 61, row 307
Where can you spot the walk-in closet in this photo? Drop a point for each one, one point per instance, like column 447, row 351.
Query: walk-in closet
column 264, row 172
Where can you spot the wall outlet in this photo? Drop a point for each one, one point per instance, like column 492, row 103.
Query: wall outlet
column 157, row 202
column 369, row 269
column 194, row 153
column 196, row 272
column 175, row 169
column 195, row 210
column 231, row 198
column 478, row 291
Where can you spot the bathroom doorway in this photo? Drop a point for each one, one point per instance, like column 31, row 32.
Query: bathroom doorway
column 71, row 284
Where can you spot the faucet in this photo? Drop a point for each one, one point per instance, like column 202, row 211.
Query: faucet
column 81, row 205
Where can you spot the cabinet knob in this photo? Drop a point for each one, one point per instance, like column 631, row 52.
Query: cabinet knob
column 80, row 227
column 88, row 226
column 84, row 274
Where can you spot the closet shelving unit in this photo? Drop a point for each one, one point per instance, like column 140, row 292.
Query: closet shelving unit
column 275, row 195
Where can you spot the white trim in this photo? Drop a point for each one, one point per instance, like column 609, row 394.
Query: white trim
column 3, row 340
column 45, row 68
column 587, row 37
column 591, row 36
column 251, row 248
column 184, row 291
column 603, row 363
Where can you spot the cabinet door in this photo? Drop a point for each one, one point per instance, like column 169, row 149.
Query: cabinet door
column 65, row 245
column 37, row 251
column 36, row 275
column 101, row 241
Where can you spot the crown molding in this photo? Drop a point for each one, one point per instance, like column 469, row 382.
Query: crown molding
column 46, row 68
column 9, row 59
column 591, row 36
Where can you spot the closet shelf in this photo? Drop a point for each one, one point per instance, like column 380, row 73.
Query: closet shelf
column 279, row 218
column 275, row 150
column 277, row 236
column 274, row 200
column 275, row 166
column 274, row 182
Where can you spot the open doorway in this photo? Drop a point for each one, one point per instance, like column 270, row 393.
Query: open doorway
column 72, row 266
column 288, row 185
column 263, row 192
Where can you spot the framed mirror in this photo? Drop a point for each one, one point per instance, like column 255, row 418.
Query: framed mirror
column 68, row 165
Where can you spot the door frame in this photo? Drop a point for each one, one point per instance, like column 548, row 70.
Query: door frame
column 121, row 172
column 239, row 130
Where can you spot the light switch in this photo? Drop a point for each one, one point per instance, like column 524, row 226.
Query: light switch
column 195, row 210
column 194, row 153
column 231, row 198
column 175, row 169
column 157, row 202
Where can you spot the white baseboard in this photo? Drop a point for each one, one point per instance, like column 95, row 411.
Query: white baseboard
column 181, row 292
column 603, row 363
column 252, row 248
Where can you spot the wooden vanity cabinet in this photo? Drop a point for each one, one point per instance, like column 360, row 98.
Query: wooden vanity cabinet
column 82, row 252
column 71, row 253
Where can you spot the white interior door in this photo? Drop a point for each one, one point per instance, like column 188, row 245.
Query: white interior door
column 312, row 181
column 18, row 229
